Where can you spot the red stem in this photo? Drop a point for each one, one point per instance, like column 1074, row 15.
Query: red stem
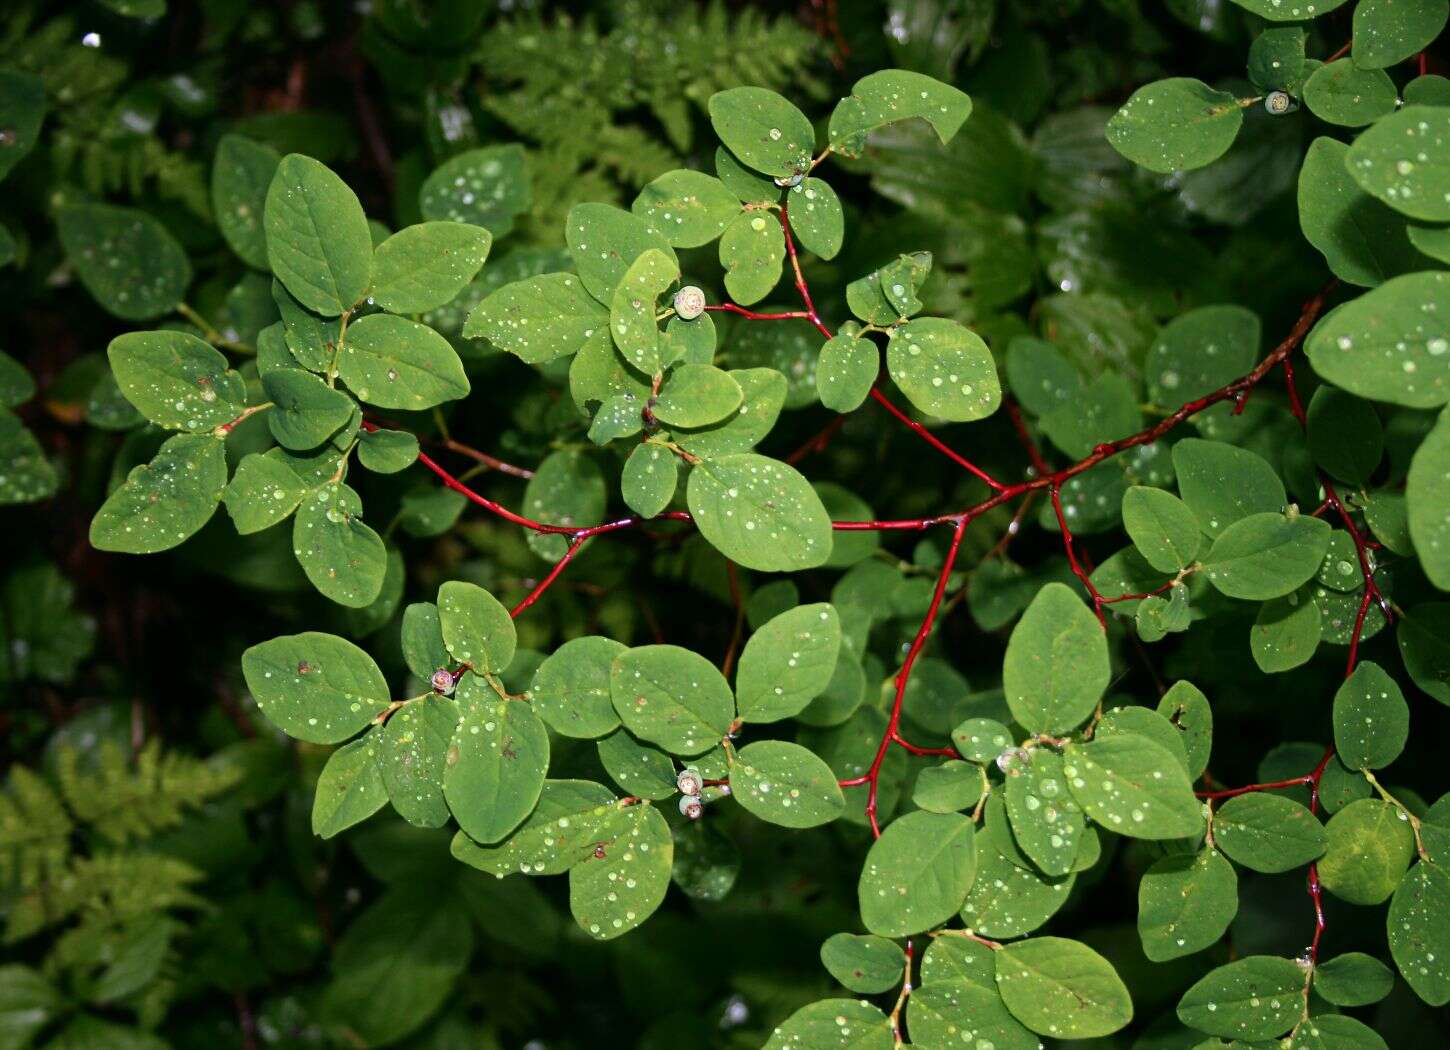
column 751, row 315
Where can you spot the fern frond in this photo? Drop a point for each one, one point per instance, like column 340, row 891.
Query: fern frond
column 34, row 831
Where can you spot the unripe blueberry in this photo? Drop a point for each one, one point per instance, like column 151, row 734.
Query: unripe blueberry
column 689, row 781
column 443, row 681
column 691, row 806
column 689, row 303
column 1278, row 103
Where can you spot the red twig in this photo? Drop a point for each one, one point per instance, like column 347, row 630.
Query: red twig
column 1014, row 413
column 548, row 580
column 751, row 315
column 491, row 462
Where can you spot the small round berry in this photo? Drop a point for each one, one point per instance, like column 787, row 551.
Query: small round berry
column 443, row 681
column 689, row 303
column 691, row 807
column 689, row 781
column 1278, row 103
column 791, row 181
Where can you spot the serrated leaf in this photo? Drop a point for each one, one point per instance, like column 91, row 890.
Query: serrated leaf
column 1259, row 997
column 318, row 242
column 426, row 265
column 763, row 129
column 787, row 663
column 164, row 502
column 1185, row 904
column 1056, row 666
column 1266, row 556
column 342, row 556
column 393, row 362
column 686, row 208
column 350, row 788
column 917, row 874
column 1175, row 125
column 477, row 628
column 126, row 259
column 496, row 762
column 316, row 687
column 1131, row 785
column 241, row 173
column 1267, row 832
column 672, row 697
column 759, row 513
column 613, row 894
column 413, row 755
column 571, row 687
column 1062, row 988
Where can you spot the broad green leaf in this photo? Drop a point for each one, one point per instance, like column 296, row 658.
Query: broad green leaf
column 1131, row 785
column 571, row 818
column 764, row 393
column 1007, row 900
column 759, row 513
column 342, row 556
column 1040, row 376
column 1105, row 410
column 948, row 788
column 1046, row 822
column 1056, row 666
column 539, row 318
column 176, row 380
column 847, row 370
column 1200, row 351
column 639, row 769
column 612, row 894
column 1223, row 484
column 650, row 477
column 1162, row 527
column 1353, row 979
column 763, row 129
column 944, row 369
column 686, row 208
column 672, row 697
column 22, row 110
column 890, row 95
column 1285, row 633
column 981, row 739
column 413, row 756
column 425, row 266
column 863, row 963
column 28, row 1002
column 318, row 242
column 486, row 187
column 1266, row 556
column 1390, row 31
column 816, row 217
column 1371, row 718
column 125, row 258
column 496, row 762
column 1188, row 711
column 1370, row 846
column 315, row 687
column 696, row 396
column 305, row 411
column 422, row 640
column 621, row 416
column 477, row 629
column 1185, row 904
column 959, row 959
column 1347, row 93
column 1345, row 436
column 1427, row 494
column 566, row 489
column 311, row 338
column 387, row 451
column 1062, row 988
column 785, row 784
column 788, row 663
column 632, row 321
column 1268, row 832
column 752, row 250
column 833, row 1024
column 1276, row 60
column 886, row 295
column 1423, row 635
column 1144, row 721
column 165, row 501
column 604, row 242
column 1404, row 160
column 1334, row 1032
column 1258, row 997
column 952, row 1013
column 1175, row 125
column 392, row 362
column 350, row 788
column 16, row 384
column 1289, row 10
column 692, row 342
column 241, row 173
column 570, row 690
column 1419, row 931
column 263, row 491
column 746, row 185
column 917, row 874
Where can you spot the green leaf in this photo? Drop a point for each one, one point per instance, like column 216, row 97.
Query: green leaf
column 891, row 95
column 1007, row 900
column 1266, row 556
column 1427, row 490
column 28, row 1002
column 341, row 555
column 1363, row 241
column 886, row 295
column 639, row 769
column 672, row 697
column 305, row 411
column 1200, row 351
column 1188, row 711
column 650, row 477
column 1371, row 718
column 604, row 243
column 164, row 502
column 486, row 187
column 317, row 236
column 1423, row 635
column 240, row 176
column 392, row 362
column 350, row 788
column 917, row 874
column 632, row 312
column 414, row 755
column 1279, row 11
column 816, row 217
column 1347, row 93
column 746, row 185
column 1370, row 846
column 1390, row 31
column 863, row 962
column 571, row 690
column 785, row 784
column 22, row 110
column 612, row 894
column 1046, row 822
column 477, row 629
column 787, row 663
column 1175, row 125
column 948, row 788
column 26, row 475
column 1345, row 436
column 763, row 129
column 1419, row 931
column 1062, row 988
column 1268, row 833
column 759, row 513
column 833, row 1024
column 1334, row 1032
column 1404, row 160
column 846, row 372
column 1276, row 60
column 947, row 1013
column 959, row 959
column 1353, row 979
column 981, row 739
column 538, row 319
column 686, row 208
column 312, row 339
column 496, row 762
column 16, row 384
column 752, row 250
column 1131, row 785
column 1162, row 527
column 1259, row 997
column 944, row 369
column 387, row 451
column 764, row 393
column 1185, row 904
column 263, row 491
column 571, row 818
column 176, row 380
column 425, row 266
column 125, row 258
column 1056, row 666
column 1223, row 484
column 1285, row 633
column 696, row 396
column 316, row 687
